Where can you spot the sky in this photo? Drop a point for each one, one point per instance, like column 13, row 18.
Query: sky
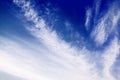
column 59, row 39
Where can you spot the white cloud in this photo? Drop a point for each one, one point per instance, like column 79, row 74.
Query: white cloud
column 16, row 60
column 106, row 25
column 109, row 58
column 53, row 59
column 55, row 62
column 88, row 18
column 97, row 6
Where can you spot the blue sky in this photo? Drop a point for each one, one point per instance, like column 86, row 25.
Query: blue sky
column 59, row 40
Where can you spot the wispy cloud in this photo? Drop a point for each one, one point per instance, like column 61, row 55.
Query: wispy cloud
column 109, row 58
column 53, row 58
column 97, row 4
column 88, row 18
column 106, row 25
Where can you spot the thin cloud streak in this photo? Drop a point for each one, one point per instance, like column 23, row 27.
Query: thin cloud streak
column 109, row 58
column 88, row 18
column 106, row 25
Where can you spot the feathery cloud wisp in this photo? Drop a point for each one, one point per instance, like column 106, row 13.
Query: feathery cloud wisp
column 53, row 59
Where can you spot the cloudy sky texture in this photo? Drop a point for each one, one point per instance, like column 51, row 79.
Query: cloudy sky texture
column 59, row 40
